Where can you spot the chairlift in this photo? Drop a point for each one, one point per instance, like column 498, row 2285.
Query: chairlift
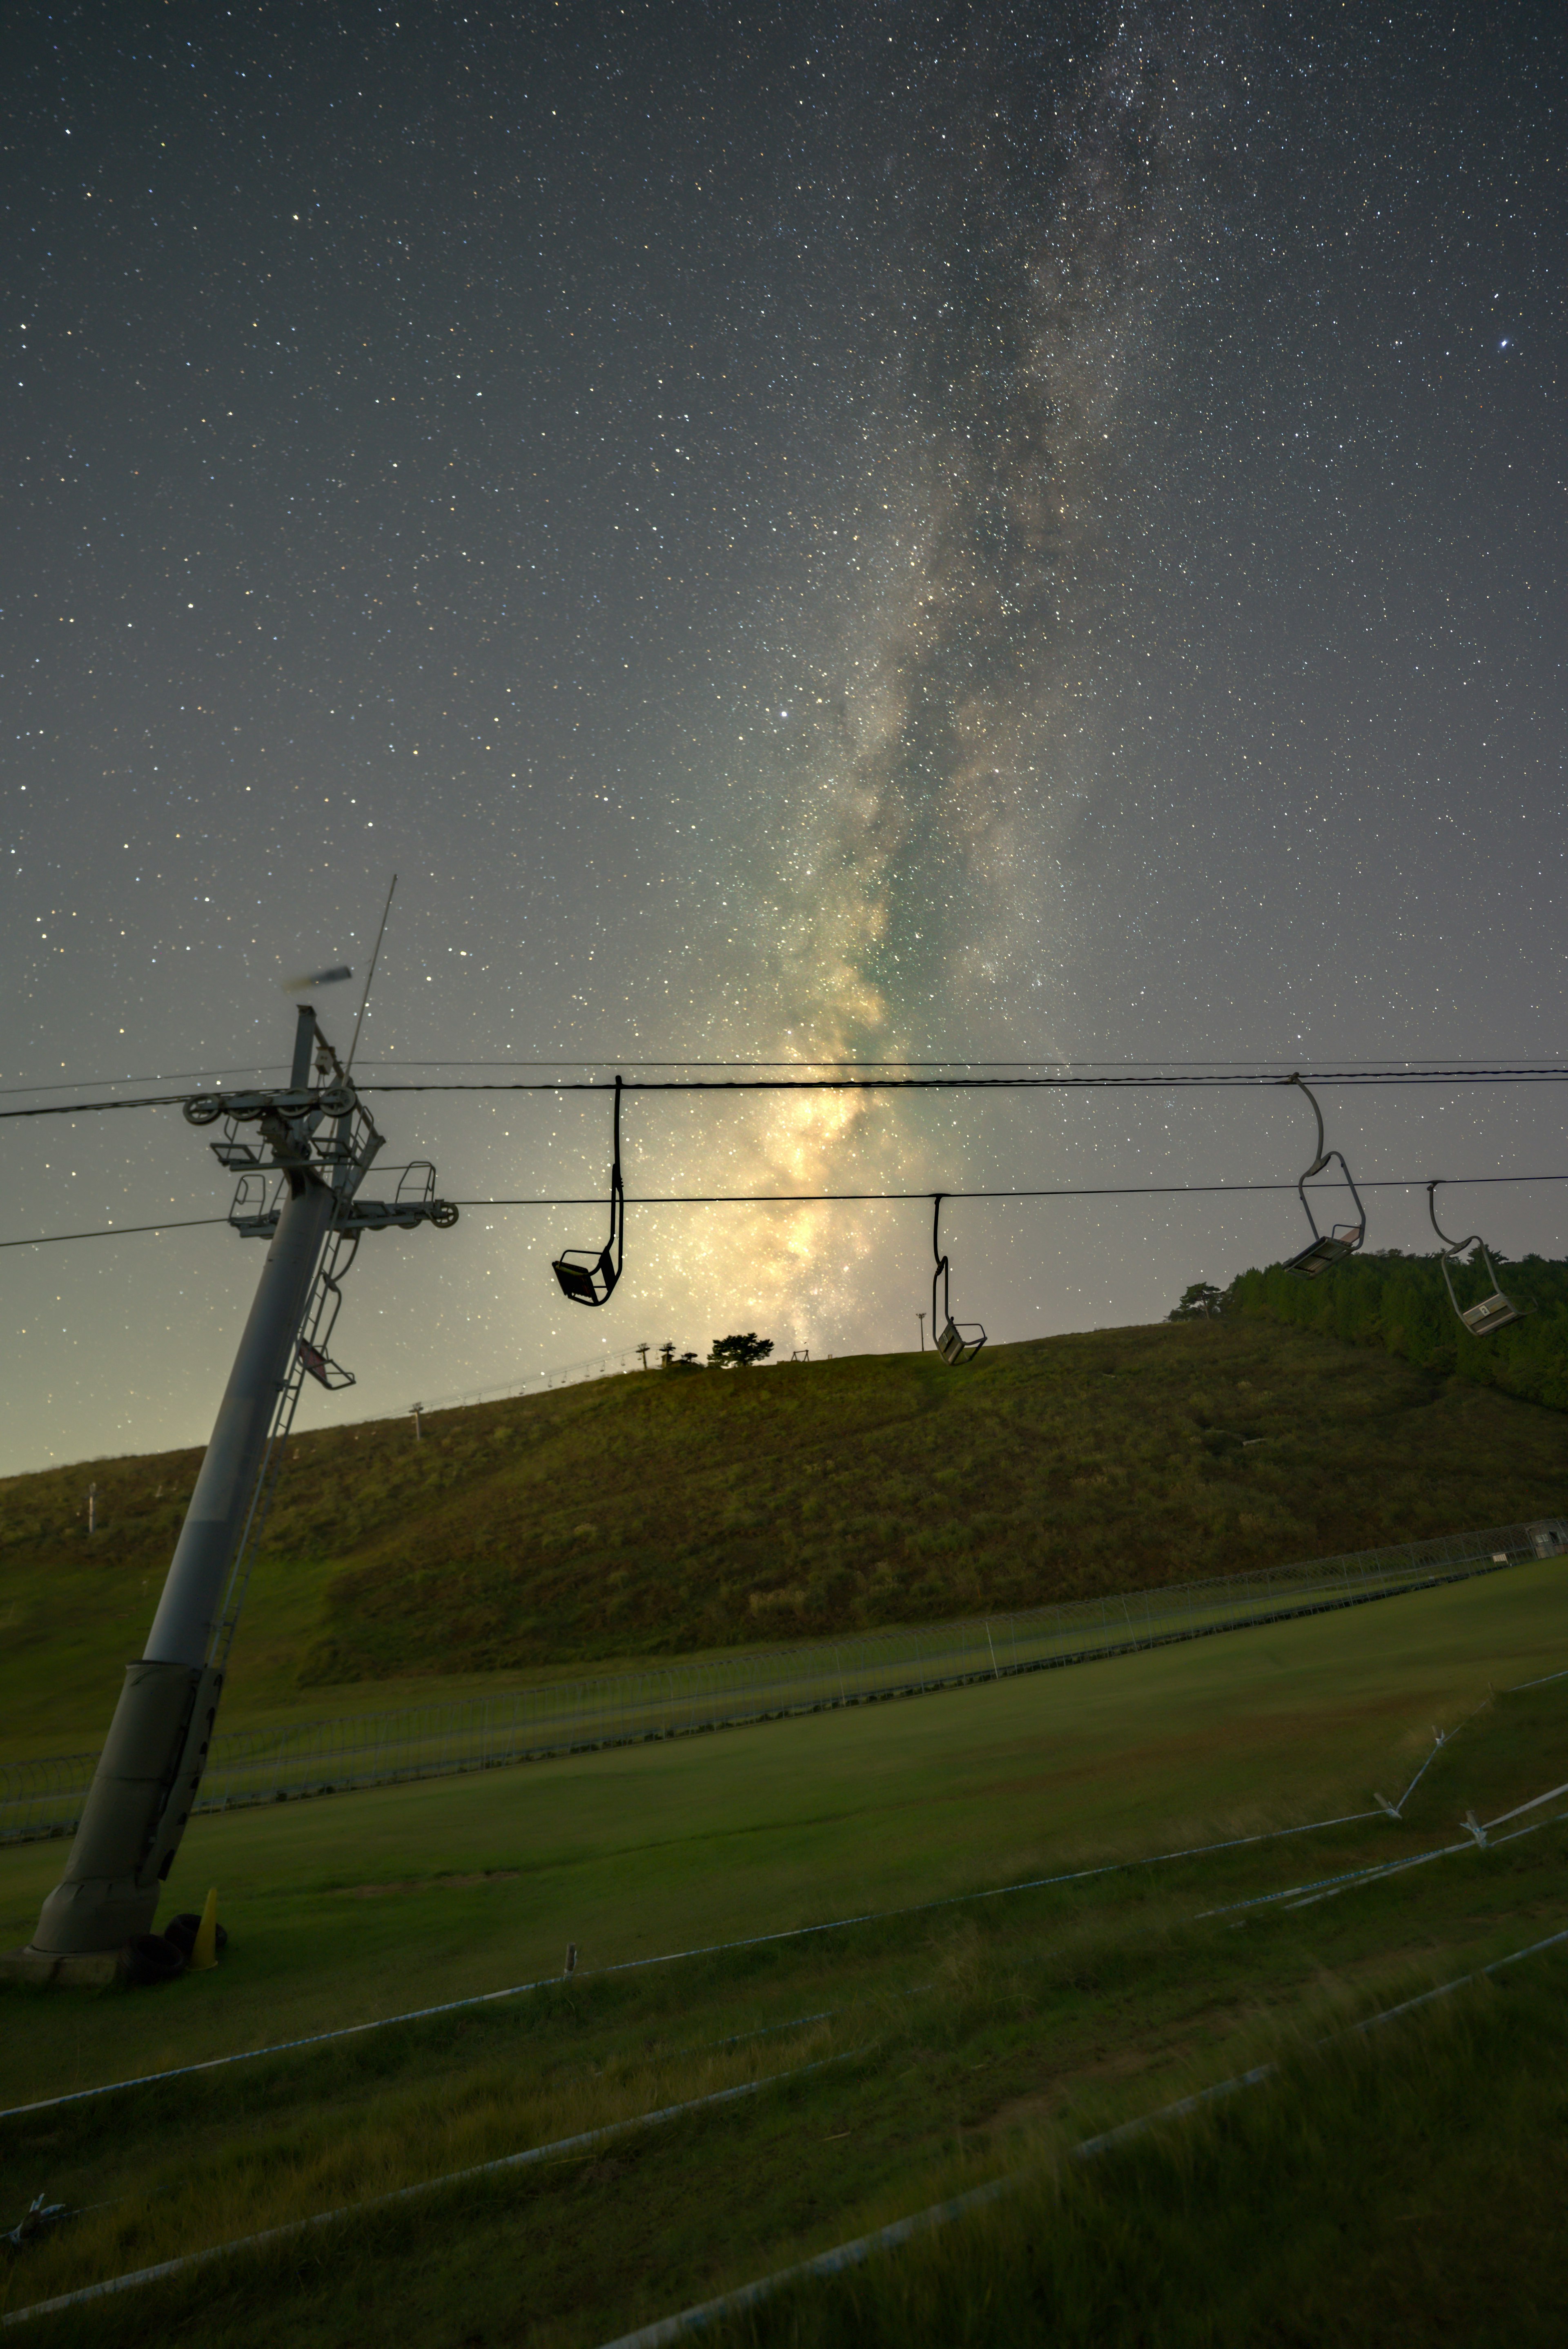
column 323, row 1368
column 588, row 1276
column 1493, row 1312
column 1330, row 1247
column 326, row 1302
column 959, row 1341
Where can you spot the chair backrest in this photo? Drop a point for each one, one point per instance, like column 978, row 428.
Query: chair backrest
column 586, row 1277
column 960, row 1342
column 1492, row 1313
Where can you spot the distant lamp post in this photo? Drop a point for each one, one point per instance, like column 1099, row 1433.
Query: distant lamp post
column 414, row 1411
column 920, row 1318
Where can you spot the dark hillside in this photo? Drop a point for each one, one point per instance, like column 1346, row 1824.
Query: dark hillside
column 657, row 1512
column 1400, row 1303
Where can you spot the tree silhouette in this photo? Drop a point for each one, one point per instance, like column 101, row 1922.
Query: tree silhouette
column 1202, row 1303
column 739, row 1353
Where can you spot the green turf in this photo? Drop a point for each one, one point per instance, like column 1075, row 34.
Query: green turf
column 652, row 1847
column 662, row 1513
column 1408, row 2188
column 988, row 2035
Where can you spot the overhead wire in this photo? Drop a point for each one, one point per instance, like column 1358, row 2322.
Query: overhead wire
column 830, row 1198
column 1063, row 1191
column 1239, row 1079
column 84, row 1109
column 1242, row 1080
column 952, row 1061
column 695, row 1060
column 1163, row 1077
column 153, row 1076
column 117, row 1231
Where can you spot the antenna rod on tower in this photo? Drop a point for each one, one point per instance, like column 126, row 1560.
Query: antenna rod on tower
column 369, row 977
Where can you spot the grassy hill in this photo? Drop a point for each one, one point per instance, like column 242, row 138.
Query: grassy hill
column 663, row 1513
column 1404, row 2186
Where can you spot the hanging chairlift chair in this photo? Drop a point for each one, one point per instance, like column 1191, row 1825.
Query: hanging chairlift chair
column 326, row 1302
column 959, row 1341
column 1330, row 1247
column 588, row 1276
column 1493, row 1312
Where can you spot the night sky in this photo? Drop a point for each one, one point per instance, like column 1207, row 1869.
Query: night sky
column 1009, row 533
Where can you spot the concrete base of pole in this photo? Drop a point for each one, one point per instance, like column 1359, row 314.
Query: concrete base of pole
column 87, row 1969
column 135, row 1813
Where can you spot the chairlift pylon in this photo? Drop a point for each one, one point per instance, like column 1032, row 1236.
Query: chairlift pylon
column 1493, row 1312
column 959, row 1341
column 1342, row 1240
column 588, row 1276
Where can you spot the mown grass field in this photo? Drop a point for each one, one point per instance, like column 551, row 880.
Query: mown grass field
column 662, row 1513
column 1407, row 2190
column 966, row 2041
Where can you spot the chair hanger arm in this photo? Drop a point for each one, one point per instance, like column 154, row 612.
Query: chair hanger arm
column 941, row 1272
column 617, row 1240
column 1452, row 1247
column 1321, row 1160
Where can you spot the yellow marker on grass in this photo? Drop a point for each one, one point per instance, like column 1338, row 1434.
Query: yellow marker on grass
column 204, row 1951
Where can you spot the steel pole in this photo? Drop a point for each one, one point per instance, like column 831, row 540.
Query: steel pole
column 157, row 1747
column 190, row 1608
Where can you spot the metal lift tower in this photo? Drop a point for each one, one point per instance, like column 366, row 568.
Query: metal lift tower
column 301, row 1155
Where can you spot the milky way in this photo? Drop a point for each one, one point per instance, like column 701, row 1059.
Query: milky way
column 1040, row 217
column 988, row 532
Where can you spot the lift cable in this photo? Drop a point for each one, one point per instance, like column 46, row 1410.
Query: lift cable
column 1056, row 1083
column 1168, row 1083
column 116, row 1231
column 262, row 1069
column 1066, row 1191
column 1067, row 1060
column 950, row 1060
column 829, row 1199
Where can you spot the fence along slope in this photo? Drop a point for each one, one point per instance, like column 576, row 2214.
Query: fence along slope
column 42, row 1798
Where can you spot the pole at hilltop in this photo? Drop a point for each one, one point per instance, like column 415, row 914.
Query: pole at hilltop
column 153, row 1757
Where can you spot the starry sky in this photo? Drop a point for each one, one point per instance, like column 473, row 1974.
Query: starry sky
column 913, row 532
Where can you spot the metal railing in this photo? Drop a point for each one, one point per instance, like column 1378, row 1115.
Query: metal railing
column 679, row 1699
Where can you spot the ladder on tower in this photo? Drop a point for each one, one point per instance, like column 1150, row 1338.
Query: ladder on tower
column 310, row 1356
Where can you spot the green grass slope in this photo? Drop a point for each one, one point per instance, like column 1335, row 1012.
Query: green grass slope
column 1404, row 2187
column 659, row 1513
